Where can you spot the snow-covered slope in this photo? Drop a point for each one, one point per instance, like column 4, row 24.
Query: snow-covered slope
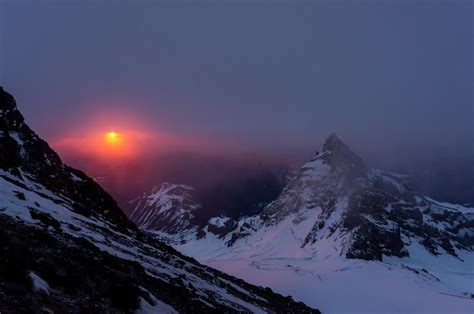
column 169, row 208
column 340, row 228
column 68, row 248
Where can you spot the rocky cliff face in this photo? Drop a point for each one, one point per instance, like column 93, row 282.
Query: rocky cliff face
column 69, row 248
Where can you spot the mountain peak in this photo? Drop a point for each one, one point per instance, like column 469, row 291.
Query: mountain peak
column 169, row 207
column 23, row 151
column 10, row 117
column 339, row 156
column 333, row 143
column 7, row 100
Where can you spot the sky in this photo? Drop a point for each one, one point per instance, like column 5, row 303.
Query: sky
column 392, row 79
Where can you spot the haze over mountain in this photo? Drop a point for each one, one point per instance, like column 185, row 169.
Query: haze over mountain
column 322, row 149
column 393, row 79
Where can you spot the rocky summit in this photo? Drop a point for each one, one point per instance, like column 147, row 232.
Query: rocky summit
column 68, row 248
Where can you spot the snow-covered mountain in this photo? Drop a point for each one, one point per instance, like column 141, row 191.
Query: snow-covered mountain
column 68, row 248
column 169, row 208
column 169, row 212
column 370, row 214
column 338, row 222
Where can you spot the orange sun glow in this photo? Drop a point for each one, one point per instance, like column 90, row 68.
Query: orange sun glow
column 113, row 138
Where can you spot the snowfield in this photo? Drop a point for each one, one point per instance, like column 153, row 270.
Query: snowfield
column 419, row 284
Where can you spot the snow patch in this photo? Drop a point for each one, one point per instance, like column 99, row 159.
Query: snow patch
column 76, row 178
column 157, row 306
column 451, row 207
column 16, row 137
column 218, row 221
column 38, row 284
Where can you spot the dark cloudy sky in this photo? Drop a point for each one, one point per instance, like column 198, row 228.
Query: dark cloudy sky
column 278, row 75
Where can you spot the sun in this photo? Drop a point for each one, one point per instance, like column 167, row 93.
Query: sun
column 112, row 135
column 113, row 138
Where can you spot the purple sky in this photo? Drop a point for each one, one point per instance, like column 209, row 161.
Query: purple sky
column 274, row 76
